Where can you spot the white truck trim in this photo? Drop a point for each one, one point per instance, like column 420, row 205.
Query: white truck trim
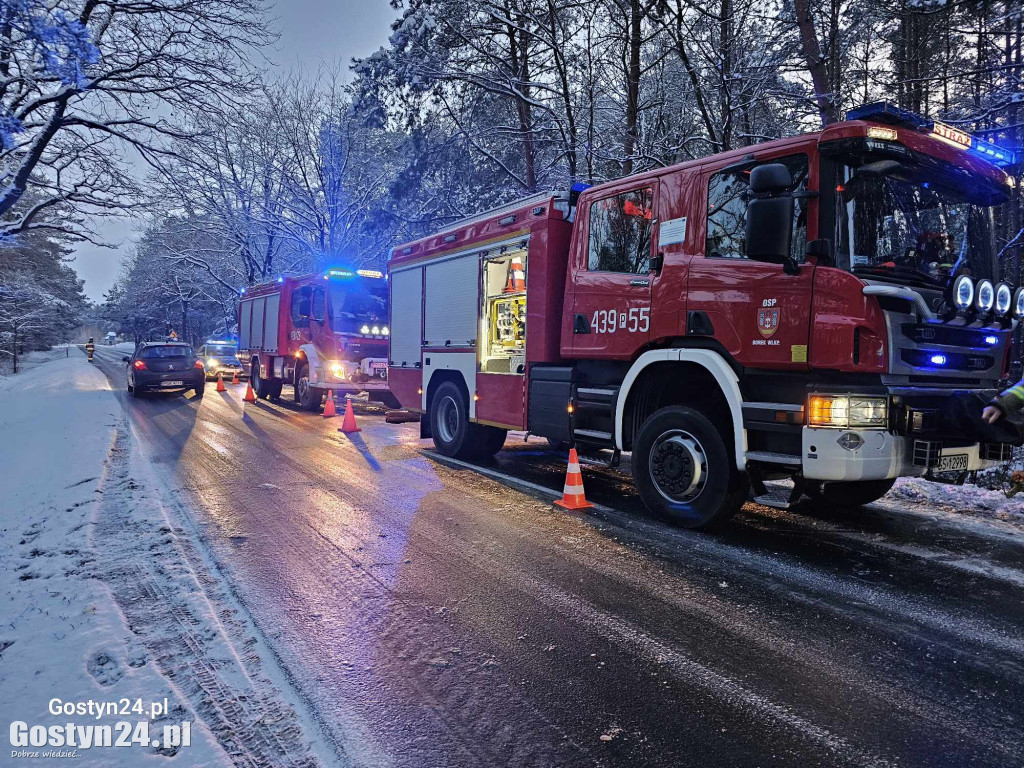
column 713, row 363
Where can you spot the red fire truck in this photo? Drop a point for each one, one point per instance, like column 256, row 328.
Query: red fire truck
column 813, row 307
column 317, row 333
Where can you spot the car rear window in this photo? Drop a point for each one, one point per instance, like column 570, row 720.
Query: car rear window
column 150, row 353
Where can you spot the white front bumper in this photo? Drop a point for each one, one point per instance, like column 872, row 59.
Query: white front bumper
column 882, row 456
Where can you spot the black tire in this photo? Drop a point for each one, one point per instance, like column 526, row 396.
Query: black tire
column 487, row 441
column 558, row 445
column 667, row 450
column 307, row 397
column 200, row 391
column 449, row 422
column 275, row 391
column 255, row 380
column 830, row 495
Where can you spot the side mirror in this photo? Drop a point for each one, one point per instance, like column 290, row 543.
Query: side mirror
column 126, row 359
column 770, row 217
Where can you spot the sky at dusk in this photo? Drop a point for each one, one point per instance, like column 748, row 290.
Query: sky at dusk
column 313, row 33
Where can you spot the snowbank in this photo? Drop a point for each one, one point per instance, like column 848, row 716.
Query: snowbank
column 61, row 633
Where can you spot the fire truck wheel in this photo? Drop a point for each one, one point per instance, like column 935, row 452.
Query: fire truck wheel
column 306, row 396
column 449, row 422
column 683, row 469
column 488, row 440
column 256, row 381
column 852, row 494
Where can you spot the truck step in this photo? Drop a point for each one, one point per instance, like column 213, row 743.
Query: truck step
column 602, row 394
column 775, row 497
column 593, row 434
column 770, row 457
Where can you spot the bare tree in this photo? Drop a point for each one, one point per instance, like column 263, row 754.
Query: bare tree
column 82, row 80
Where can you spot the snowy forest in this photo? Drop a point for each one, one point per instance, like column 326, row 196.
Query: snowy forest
column 250, row 172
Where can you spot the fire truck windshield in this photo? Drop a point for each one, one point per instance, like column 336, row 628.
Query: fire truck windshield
column 901, row 223
column 354, row 305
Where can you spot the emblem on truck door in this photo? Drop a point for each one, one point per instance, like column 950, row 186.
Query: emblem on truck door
column 768, row 321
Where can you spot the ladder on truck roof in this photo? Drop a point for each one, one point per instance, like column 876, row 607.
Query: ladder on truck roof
column 515, row 205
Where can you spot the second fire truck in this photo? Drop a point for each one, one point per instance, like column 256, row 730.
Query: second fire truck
column 317, row 333
column 811, row 308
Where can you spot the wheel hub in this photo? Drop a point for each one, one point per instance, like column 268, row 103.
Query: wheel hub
column 678, row 466
column 448, row 419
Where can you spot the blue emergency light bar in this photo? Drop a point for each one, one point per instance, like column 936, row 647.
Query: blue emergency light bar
column 349, row 273
column 889, row 113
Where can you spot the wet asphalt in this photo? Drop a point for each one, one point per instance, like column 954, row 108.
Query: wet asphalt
column 434, row 614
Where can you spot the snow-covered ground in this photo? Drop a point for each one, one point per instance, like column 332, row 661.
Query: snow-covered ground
column 106, row 597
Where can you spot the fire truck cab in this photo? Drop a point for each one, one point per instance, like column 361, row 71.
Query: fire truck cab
column 813, row 308
column 318, row 333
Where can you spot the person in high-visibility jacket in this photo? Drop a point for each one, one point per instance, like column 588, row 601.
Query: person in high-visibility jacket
column 90, row 347
column 1010, row 401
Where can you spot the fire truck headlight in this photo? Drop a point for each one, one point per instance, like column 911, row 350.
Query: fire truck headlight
column 211, row 361
column 338, row 370
column 375, row 331
column 963, row 293
column 365, row 329
column 848, row 412
column 986, row 296
column 385, row 330
column 1018, row 304
column 1004, row 299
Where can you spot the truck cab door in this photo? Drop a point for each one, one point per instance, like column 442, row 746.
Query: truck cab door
column 760, row 314
column 610, row 272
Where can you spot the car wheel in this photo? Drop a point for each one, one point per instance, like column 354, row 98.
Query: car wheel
column 306, row 396
column 200, row 391
column 848, row 495
column 449, row 422
column 275, row 391
column 684, row 470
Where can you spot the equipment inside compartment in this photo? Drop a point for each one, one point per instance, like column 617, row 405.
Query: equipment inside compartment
column 504, row 313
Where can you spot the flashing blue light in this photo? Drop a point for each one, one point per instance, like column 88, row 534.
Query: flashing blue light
column 241, row 291
column 887, row 112
column 280, row 279
column 937, row 359
column 992, row 152
column 991, row 340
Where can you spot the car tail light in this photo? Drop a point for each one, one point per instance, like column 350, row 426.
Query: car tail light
column 139, row 365
column 199, row 364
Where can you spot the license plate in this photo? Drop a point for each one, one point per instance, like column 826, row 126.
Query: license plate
column 172, row 383
column 378, row 366
column 952, row 462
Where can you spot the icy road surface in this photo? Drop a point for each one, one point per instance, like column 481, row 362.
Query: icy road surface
column 432, row 615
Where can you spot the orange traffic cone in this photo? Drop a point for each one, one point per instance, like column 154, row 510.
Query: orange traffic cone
column 250, row 396
column 349, row 422
column 516, row 276
column 572, row 495
column 220, row 383
column 234, row 379
column 329, row 405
